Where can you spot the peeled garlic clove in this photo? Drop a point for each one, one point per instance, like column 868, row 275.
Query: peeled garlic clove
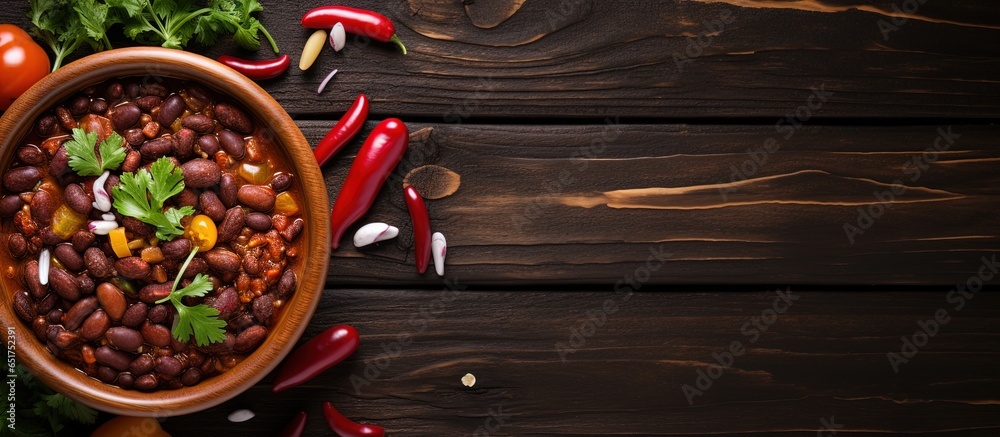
column 439, row 248
column 44, row 260
column 374, row 232
column 240, row 416
column 338, row 37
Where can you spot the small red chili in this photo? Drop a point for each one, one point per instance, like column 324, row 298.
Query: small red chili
column 316, row 355
column 381, row 152
column 345, row 130
column 257, row 70
column 421, row 228
column 357, row 21
column 345, row 427
column 296, row 426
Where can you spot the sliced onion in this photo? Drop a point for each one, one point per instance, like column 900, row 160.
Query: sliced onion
column 338, row 37
column 102, row 200
column 322, row 86
column 102, row 227
column 108, row 216
column 44, row 259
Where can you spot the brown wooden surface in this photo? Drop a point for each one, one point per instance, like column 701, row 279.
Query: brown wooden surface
column 512, row 89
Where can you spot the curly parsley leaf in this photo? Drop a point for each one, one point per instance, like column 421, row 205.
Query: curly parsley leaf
column 141, row 195
column 200, row 320
column 84, row 161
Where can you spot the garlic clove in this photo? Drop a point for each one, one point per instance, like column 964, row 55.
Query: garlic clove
column 374, row 232
column 44, row 260
column 242, row 415
column 439, row 248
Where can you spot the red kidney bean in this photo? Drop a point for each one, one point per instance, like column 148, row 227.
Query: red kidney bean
column 219, row 348
column 142, row 364
column 135, row 138
column 106, row 374
column 112, row 181
column 133, row 160
column 169, row 366
column 232, row 143
column 31, row 155
column 232, row 224
column 147, row 382
column 154, row 149
column 66, row 119
column 156, row 335
column 178, row 248
column 24, row 306
column 228, row 190
column 256, row 197
column 154, row 89
column 46, row 126
column 79, row 106
column 114, row 91
column 191, row 376
column 59, row 164
column 212, row 206
column 154, row 292
column 112, row 300
column 201, row 173
column 81, row 240
column 171, row 108
column 209, row 144
column 48, row 303
column 97, row 263
column 233, row 118
column 293, row 230
column 126, row 380
column 146, row 104
column 132, row 267
column 124, row 116
column 64, row 284
column 79, row 312
column 77, row 199
column 222, row 260
column 123, row 338
column 199, row 123
column 54, row 316
column 197, row 266
column 68, row 257
column 263, row 308
column 10, row 205
column 86, row 283
column 21, row 179
column 187, row 197
column 286, row 285
column 17, row 245
column 43, row 206
column 95, row 326
column 259, row 222
column 281, row 182
column 184, row 143
column 137, row 227
column 252, row 265
column 99, row 106
column 132, row 89
column 49, row 237
column 250, row 338
column 64, row 339
column 158, row 313
column 114, row 359
column 227, row 302
column 135, row 315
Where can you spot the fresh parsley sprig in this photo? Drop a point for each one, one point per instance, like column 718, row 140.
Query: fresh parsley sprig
column 141, row 195
column 84, row 161
column 66, row 25
column 200, row 320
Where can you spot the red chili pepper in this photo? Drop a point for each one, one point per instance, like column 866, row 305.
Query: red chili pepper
column 345, row 427
column 296, row 426
column 257, row 70
column 381, row 153
column 421, row 228
column 316, row 355
column 357, row 21
column 345, row 130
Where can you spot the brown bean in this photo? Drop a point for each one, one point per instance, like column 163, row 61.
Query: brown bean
column 156, row 335
column 212, row 206
column 137, row 227
column 256, row 197
column 132, row 89
column 66, row 119
column 263, row 307
column 228, row 190
column 134, row 137
column 232, row 143
column 154, row 292
column 142, row 364
column 281, row 182
column 196, row 266
column 169, row 366
column 184, row 143
column 79, row 106
column 133, row 160
column 69, row 257
column 154, row 149
column 49, row 236
column 31, row 155
column 293, row 230
column 252, row 265
column 46, row 126
column 231, row 224
column 112, row 300
column 79, row 312
column 123, row 338
column 86, row 283
column 220, row 348
column 24, row 306
column 191, row 376
column 208, row 144
column 43, row 206
column 47, row 303
column 125, row 380
column 132, row 267
column 117, row 360
column 135, row 315
column 106, row 374
column 158, row 313
column 201, row 173
column 32, row 281
column 226, row 303
column 222, row 260
column 59, row 164
column 187, row 197
column 65, row 339
column 233, row 118
column 81, row 240
column 286, row 285
column 199, row 123
column 250, row 338
column 112, row 182
column 64, row 284
column 54, row 316
column 147, row 103
column 10, row 205
column 259, row 222
column 114, row 91
column 17, row 245
column 77, row 199
column 171, row 108
column 95, row 326
column 177, row 248
column 147, row 382
column 21, row 179
column 154, row 89
column 99, row 106
column 125, row 116
column 97, row 263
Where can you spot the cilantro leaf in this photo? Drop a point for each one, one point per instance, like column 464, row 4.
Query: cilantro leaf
column 64, row 26
column 82, row 158
column 141, row 195
column 70, row 409
column 200, row 320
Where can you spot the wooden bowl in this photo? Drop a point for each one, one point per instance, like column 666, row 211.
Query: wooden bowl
column 17, row 122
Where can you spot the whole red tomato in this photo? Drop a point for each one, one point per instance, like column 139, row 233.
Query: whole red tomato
column 22, row 63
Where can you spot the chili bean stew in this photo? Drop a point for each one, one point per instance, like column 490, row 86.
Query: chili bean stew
column 121, row 189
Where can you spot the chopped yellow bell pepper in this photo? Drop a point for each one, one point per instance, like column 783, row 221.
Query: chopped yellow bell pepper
column 286, row 205
column 65, row 221
column 119, row 243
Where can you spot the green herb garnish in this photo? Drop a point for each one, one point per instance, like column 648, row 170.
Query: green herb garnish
column 141, row 194
column 200, row 320
column 40, row 410
column 84, row 161
column 66, row 25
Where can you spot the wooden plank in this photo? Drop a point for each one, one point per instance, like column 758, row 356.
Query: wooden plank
column 631, row 58
column 546, row 204
column 824, row 357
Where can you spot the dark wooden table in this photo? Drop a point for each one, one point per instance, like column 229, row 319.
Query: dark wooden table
column 675, row 218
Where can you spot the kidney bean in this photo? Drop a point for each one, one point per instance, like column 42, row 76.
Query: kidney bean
column 220, row 348
column 178, row 248
column 233, row 118
column 62, row 338
column 147, row 382
column 123, row 338
column 132, row 267
column 212, row 206
column 47, row 303
column 112, row 300
column 99, row 106
column 293, row 230
column 286, row 285
column 231, row 224
column 281, row 182
column 59, row 164
column 133, row 160
column 201, row 173
column 259, row 222
column 199, row 123
column 154, row 89
column 112, row 181
column 66, row 119
column 106, row 374
column 68, row 257
column 187, row 197
column 85, row 282
column 142, row 364
column 228, row 190
column 114, row 359
column 171, row 108
column 222, row 260
column 81, row 240
column 191, row 376
column 114, row 91
column 263, row 308
column 137, row 227
column 134, row 137
column 232, row 143
column 54, row 316
column 17, row 245
column 24, row 306
column 132, row 89
column 158, row 313
column 43, row 206
column 184, row 143
column 209, row 144
column 49, row 237
column 10, row 205
column 154, row 292
column 21, row 179
column 169, row 366
column 79, row 106
column 31, row 155
column 46, row 126
column 197, row 266
column 242, row 320
column 154, row 149
column 147, row 103
column 256, row 197
column 227, row 302
column 250, row 338
column 95, row 326
column 135, row 315
column 252, row 265
column 97, row 263
column 156, row 335
column 77, row 199
column 79, row 312
column 64, row 284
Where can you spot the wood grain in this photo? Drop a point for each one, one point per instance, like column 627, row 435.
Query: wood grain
column 826, row 356
column 638, row 58
column 543, row 204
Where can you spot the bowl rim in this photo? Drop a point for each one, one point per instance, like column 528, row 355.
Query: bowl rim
column 151, row 62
